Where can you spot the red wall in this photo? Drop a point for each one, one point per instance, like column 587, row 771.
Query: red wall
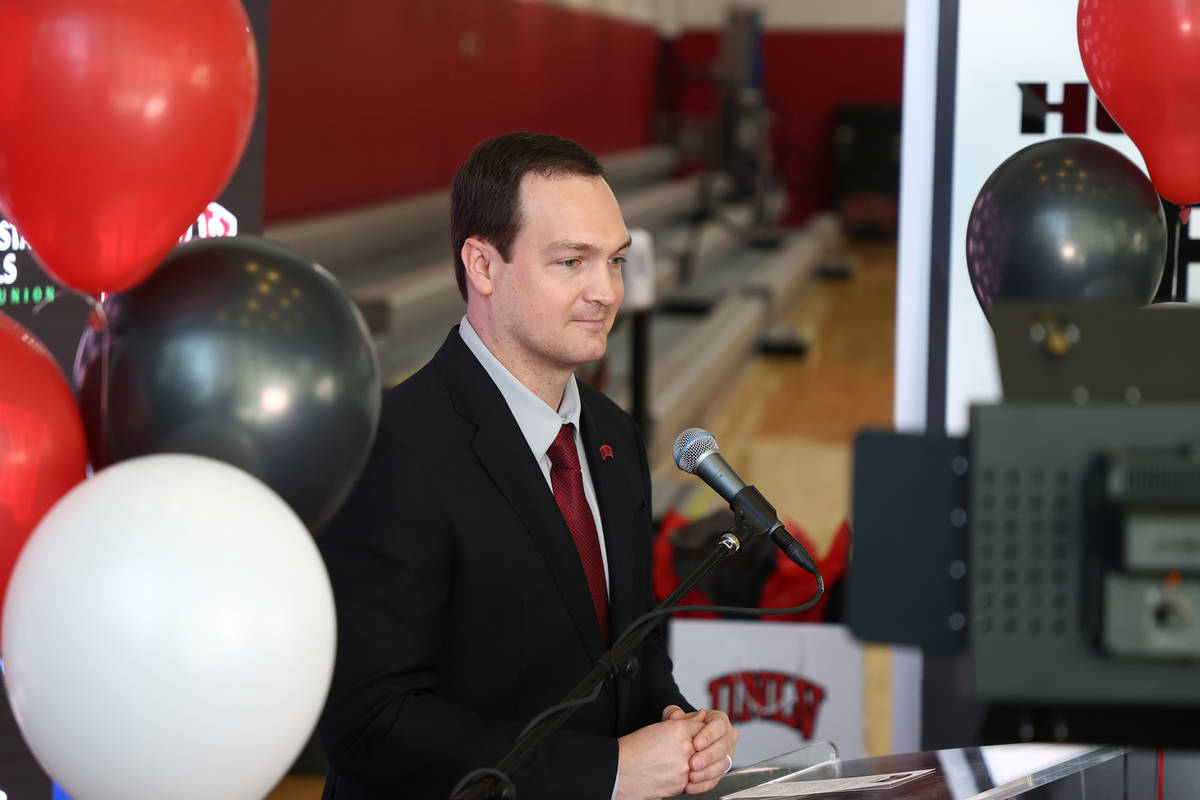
column 370, row 99
column 808, row 75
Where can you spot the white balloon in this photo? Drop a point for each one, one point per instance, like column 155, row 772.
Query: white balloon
column 168, row 632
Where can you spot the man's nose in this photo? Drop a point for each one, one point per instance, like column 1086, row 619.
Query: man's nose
column 605, row 286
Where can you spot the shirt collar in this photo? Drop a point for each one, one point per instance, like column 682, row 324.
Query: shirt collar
column 539, row 423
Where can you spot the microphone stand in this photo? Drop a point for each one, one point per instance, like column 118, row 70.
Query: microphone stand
column 617, row 661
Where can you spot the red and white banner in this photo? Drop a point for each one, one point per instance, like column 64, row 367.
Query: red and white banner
column 783, row 684
column 1000, row 54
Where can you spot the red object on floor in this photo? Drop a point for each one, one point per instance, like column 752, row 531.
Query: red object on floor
column 789, row 585
column 665, row 580
column 785, row 584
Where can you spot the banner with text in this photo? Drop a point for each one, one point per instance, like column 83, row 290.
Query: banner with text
column 783, row 684
column 1011, row 76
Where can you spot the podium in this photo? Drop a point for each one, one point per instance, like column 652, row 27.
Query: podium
column 970, row 773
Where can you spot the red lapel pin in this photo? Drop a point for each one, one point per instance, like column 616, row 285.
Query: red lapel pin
column 605, row 452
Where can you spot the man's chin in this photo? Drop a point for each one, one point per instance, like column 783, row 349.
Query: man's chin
column 589, row 355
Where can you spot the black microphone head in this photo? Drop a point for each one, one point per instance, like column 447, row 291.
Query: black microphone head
column 691, row 446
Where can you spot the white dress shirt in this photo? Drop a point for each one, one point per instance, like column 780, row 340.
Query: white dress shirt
column 539, row 423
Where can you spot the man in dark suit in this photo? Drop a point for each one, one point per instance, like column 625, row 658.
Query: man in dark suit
column 499, row 538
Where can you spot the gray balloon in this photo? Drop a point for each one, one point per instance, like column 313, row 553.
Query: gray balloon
column 1067, row 219
column 241, row 350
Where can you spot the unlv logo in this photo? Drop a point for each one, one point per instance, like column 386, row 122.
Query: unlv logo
column 776, row 696
column 214, row 221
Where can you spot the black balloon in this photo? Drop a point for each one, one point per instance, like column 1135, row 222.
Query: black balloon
column 1067, row 220
column 241, row 350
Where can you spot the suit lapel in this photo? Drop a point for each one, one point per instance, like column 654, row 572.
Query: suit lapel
column 505, row 454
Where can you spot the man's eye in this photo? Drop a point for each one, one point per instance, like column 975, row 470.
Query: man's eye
column 618, row 260
column 571, row 262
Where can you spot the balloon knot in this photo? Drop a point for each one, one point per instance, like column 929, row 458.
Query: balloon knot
column 97, row 321
column 1184, row 213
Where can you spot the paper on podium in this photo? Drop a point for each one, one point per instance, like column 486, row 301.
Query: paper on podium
column 786, row 789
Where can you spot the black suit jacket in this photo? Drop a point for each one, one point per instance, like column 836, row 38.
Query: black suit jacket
column 463, row 609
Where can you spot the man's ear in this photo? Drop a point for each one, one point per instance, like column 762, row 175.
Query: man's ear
column 479, row 259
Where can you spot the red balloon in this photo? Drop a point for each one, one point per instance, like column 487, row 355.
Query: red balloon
column 1143, row 58
column 43, row 451
column 120, row 120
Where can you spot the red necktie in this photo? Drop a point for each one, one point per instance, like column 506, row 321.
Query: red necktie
column 567, row 481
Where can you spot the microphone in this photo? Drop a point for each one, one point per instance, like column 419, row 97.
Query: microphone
column 696, row 453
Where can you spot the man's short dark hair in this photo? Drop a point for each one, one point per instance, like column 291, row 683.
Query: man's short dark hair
column 485, row 200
